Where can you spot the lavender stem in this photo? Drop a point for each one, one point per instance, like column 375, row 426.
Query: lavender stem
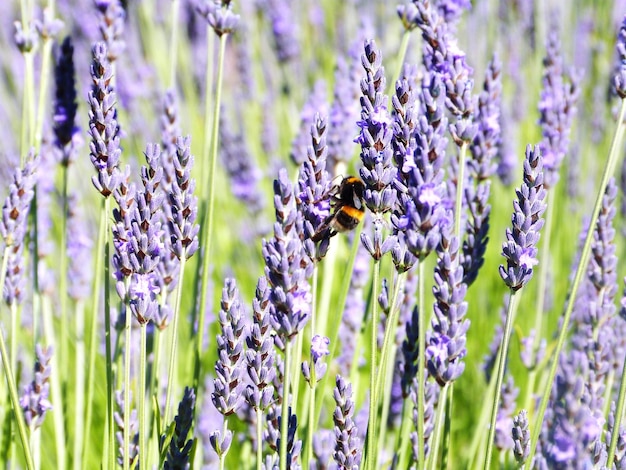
column 437, row 431
column 421, row 364
column 127, row 407
column 284, row 412
column 372, row 428
column 609, row 169
column 143, row 430
column 504, row 347
column 619, row 412
column 109, row 448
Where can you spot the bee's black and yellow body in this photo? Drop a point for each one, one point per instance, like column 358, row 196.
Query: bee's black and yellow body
column 348, row 208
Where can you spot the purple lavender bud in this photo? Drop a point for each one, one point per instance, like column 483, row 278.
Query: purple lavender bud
column 219, row 15
column 529, row 357
column 260, row 354
column 404, row 122
column 65, row 105
column 27, row 40
column 431, row 397
column 49, row 27
column 451, row 10
column 142, row 296
column 227, row 396
column 170, row 132
column 290, row 293
column 557, row 106
column 179, row 450
column 313, row 199
column 272, row 435
column 319, row 349
column 184, row 205
column 376, row 134
column 408, row 15
column 461, row 102
column 446, row 346
column 521, row 437
column 124, row 196
column 131, row 454
column 323, row 442
column 221, row 446
column 17, row 203
column 619, row 80
column 34, row 401
column 104, row 149
column 504, row 423
column 520, row 249
column 347, row 443
column 111, row 25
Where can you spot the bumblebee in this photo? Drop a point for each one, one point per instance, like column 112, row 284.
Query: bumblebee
column 348, row 208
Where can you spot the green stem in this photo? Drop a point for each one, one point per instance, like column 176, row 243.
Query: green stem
column 421, row 364
column 372, row 428
column 208, row 234
column 171, row 372
column 460, row 178
column 438, row 429
column 110, row 446
column 619, row 412
column 310, row 425
column 405, row 435
column 447, row 442
column 143, row 461
column 93, row 332
column 259, row 438
column 127, row 354
column 284, row 413
column 63, row 355
column 79, row 387
column 609, row 169
column 510, row 314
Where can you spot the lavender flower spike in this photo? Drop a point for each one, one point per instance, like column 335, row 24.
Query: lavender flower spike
column 521, row 437
column 347, row 447
column 65, row 105
column 180, row 448
column 620, row 76
column 219, row 15
column 34, row 402
column 520, row 248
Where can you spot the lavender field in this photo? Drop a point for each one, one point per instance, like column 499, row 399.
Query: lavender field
column 274, row 234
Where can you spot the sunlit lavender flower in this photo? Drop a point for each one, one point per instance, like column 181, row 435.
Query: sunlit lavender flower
column 180, row 447
column 183, row 203
column 219, row 15
column 272, row 436
column 290, row 293
column 319, row 349
column 142, row 296
column 521, row 437
column 446, row 345
column 506, row 157
column 313, row 200
column 65, row 130
column 34, row 401
column 133, row 452
column 431, row 398
column 227, row 396
column 557, row 106
column 347, row 453
column 520, row 249
column 404, row 116
column 323, row 446
column 123, row 214
column 104, row 149
column 619, row 80
column 111, row 26
column 376, row 134
column 25, row 40
column 260, row 354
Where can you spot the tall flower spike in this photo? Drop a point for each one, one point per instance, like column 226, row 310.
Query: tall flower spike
column 180, row 447
column 65, row 105
column 111, row 25
column 17, row 203
column 347, row 443
column 34, row 402
column 132, row 454
column 104, row 149
column 183, row 203
column 620, row 75
column 521, row 437
column 227, row 396
column 520, row 248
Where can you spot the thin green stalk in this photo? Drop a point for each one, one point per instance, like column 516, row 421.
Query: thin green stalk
column 310, row 428
column 64, row 336
column 55, row 386
column 93, row 332
column 223, row 455
column 110, row 446
column 13, row 339
column 15, row 402
column 440, row 418
column 46, row 57
column 447, row 442
column 284, row 412
column 609, row 169
column 460, row 178
column 171, row 371
column 404, row 437
column 421, row 364
column 174, row 43
column 143, row 462
column 387, row 372
column 372, row 426
column 79, row 387
column 510, row 314
column 619, row 413
column 154, row 390
column 127, row 355
column 259, row 438
column 208, row 234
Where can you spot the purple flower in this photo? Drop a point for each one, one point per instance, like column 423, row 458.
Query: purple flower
column 557, row 106
column 619, row 80
column 284, row 255
column 227, row 396
column 180, row 447
column 347, row 453
column 111, row 26
column 260, row 354
column 319, row 349
column 219, row 15
column 183, row 204
column 65, row 106
column 284, row 29
column 520, row 249
column 17, row 203
column 34, row 401
column 131, row 454
column 25, row 40
column 104, row 149
column 521, row 437
column 142, row 296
